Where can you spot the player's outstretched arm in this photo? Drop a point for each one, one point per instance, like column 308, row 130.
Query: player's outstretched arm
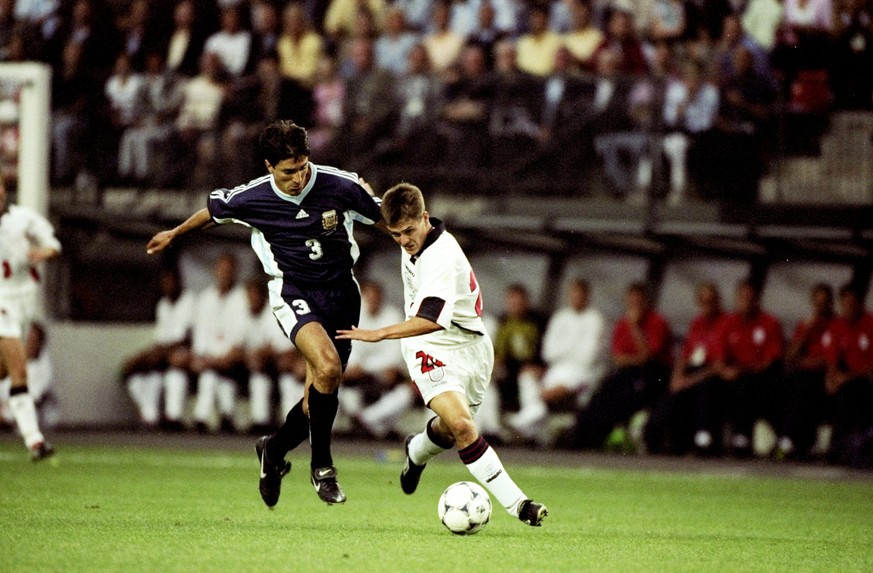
column 199, row 220
column 414, row 326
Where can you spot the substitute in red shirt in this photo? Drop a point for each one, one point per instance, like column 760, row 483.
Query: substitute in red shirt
column 642, row 335
column 852, row 355
column 751, row 340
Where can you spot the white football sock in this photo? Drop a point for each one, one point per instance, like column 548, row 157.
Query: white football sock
column 204, row 405
column 226, row 393
column 25, row 416
column 136, row 387
column 151, row 398
column 422, row 449
column 259, row 398
column 489, row 471
column 175, row 391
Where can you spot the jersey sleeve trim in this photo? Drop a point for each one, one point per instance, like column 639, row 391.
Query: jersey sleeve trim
column 430, row 308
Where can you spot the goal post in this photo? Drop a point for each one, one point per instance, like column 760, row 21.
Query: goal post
column 27, row 85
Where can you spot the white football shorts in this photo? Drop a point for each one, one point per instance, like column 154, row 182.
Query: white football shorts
column 461, row 368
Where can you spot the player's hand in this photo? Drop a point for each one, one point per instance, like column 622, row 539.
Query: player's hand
column 356, row 333
column 367, row 187
column 159, row 242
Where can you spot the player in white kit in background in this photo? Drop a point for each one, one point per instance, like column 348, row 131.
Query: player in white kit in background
column 447, row 350
column 26, row 240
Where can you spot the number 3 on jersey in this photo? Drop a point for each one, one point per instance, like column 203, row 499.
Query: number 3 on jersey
column 315, row 246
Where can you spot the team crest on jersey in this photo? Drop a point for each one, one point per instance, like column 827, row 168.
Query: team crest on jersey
column 329, row 220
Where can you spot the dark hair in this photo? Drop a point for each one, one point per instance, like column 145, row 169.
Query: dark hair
column 823, row 288
column 402, row 202
column 282, row 140
column 639, row 288
column 851, row 288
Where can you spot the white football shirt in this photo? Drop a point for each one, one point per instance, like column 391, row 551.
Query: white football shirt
column 439, row 284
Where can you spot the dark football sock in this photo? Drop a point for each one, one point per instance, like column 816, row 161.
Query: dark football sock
column 322, row 412
column 290, row 435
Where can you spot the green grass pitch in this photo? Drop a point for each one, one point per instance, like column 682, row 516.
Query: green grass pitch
column 149, row 508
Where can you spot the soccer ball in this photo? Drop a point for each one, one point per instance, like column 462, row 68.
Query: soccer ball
column 464, row 508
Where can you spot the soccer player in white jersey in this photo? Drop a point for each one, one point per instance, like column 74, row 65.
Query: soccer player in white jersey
column 302, row 216
column 26, row 240
column 446, row 348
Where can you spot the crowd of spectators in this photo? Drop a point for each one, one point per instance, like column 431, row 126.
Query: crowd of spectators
column 672, row 97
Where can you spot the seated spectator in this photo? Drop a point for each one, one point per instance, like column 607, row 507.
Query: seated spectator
column 370, row 106
column 39, row 20
column 232, row 43
column 269, row 354
column 733, row 37
column 416, row 13
column 517, row 344
column 806, row 364
column 743, row 125
column 850, row 379
column 419, row 97
column 249, row 105
column 663, row 21
column 186, row 41
column 299, row 47
column 584, row 37
column 75, row 106
column 376, row 391
column 465, row 113
column 328, row 97
column 621, row 42
column 40, row 381
column 340, row 18
column 122, row 91
column 852, row 55
column 139, row 33
column 573, row 352
column 750, row 356
column 690, row 110
column 266, row 28
column 761, row 21
column 618, row 136
column 537, row 48
column 394, row 44
column 513, row 125
column 83, row 24
column 443, row 45
column 641, row 345
column 147, row 373
column 156, row 106
column 486, row 33
column 691, row 415
column 195, row 126
column 221, row 318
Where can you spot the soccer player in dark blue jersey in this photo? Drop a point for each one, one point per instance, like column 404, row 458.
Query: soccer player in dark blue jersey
column 301, row 216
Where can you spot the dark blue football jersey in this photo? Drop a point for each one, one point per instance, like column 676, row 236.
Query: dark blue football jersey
column 304, row 239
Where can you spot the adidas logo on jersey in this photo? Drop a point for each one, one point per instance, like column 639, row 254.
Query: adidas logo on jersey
column 301, row 214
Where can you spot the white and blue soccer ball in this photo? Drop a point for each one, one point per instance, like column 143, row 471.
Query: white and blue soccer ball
column 464, row 508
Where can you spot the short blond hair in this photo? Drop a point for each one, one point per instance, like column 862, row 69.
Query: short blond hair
column 402, row 202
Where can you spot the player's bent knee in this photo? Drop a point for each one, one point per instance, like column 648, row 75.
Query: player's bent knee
column 464, row 431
